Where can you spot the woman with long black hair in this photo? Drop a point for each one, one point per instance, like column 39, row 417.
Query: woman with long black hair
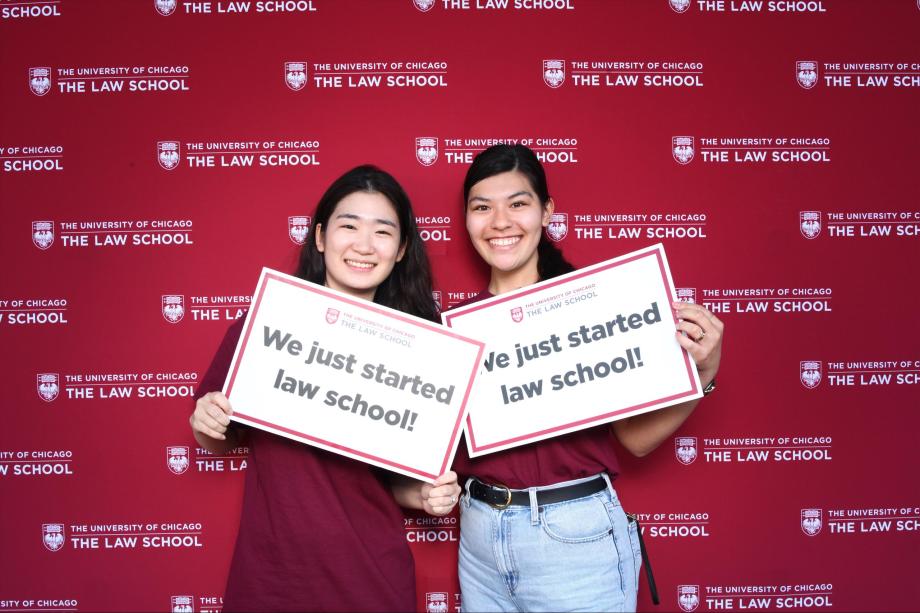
column 542, row 528
column 319, row 531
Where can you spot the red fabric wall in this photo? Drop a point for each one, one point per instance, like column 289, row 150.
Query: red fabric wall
column 771, row 146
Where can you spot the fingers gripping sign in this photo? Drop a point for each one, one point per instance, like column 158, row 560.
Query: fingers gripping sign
column 700, row 332
column 439, row 498
column 212, row 415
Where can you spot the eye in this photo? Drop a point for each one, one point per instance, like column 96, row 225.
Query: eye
column 479, row 207
column 385, row 232
column 518, row 204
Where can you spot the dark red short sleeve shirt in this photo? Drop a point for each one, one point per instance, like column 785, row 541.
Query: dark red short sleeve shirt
column 563, row 458
column 318, row 531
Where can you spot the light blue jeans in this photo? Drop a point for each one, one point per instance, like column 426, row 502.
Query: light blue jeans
column 578, row 555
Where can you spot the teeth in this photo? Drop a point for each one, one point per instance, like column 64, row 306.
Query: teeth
column 504, row 242
column 359, row 264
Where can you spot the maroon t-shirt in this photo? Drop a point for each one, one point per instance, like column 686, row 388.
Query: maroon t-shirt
column 318, row 531
column 562, row 458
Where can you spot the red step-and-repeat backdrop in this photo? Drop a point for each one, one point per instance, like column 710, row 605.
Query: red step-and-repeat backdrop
column 157, row 153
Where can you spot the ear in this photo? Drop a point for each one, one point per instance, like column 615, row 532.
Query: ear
column 402, row 251
column 320, row 245
column 548, row 209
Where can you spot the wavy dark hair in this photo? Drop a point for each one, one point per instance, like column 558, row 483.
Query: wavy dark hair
column 506, row 158
column 408, row 287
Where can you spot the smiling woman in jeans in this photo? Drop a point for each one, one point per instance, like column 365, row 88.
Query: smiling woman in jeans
column 541, row 526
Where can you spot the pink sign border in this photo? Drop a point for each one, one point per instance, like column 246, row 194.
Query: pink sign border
column 367, row 306
column 597, row 419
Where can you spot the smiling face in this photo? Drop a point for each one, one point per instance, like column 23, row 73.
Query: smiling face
column 361, row 244
column 505, row 218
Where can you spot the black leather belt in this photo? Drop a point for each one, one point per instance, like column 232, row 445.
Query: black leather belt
column 501, row 497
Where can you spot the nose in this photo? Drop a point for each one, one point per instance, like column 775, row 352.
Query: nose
column 364, row 243
column 500, row 219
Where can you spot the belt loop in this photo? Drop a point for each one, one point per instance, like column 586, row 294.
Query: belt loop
column 607, row 479
column 534, row 507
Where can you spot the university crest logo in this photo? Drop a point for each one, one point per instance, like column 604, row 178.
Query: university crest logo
column 688, row 597
column 173, row 307
column 168, row 154
column 295, row 75
column 298, row 228
column 810, row 223
column 40, row 80
column 806, row 74
column 49, row 386
column 53, row 536
column 177, row 459
column 682, row 149
column 685, row 449
column 554, row 73
column 42, row 234
column 426, row 150
column 810, row 373
column 558, row 226
column 811, row 521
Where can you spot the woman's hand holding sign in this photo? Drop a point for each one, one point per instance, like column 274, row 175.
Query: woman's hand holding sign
column 210, row 423
column 703, row 338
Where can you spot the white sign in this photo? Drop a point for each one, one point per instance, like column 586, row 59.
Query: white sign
column 589, row 347
column 352, row 377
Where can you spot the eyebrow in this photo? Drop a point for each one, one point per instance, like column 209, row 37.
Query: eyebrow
column 514, row 195
column 385, row 222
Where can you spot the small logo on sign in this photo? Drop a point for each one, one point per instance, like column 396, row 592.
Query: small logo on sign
column 332, row 316
column 517, row 314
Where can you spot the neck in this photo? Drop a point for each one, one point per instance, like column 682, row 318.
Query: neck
column 503, row 281
column 368, row 294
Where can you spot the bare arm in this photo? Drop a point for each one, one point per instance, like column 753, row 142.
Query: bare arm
column 642, row 434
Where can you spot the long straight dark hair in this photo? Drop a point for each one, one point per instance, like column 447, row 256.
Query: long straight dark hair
column 499, row 159
column 408, row 287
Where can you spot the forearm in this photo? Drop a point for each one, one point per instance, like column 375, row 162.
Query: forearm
column 406, row 491
column 217, row 446
column 642, row 434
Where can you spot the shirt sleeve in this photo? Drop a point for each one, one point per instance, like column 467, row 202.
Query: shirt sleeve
column 213, row 379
